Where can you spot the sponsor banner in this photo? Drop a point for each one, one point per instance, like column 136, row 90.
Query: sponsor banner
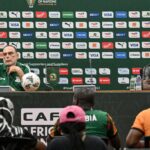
column 81, row 14
column 54, row 45
column 41, row 14
column 104, row 80
column 14, row 25
column 134, row 34
column 94, row 45
column 136, row 71
column 67, row 14
column 146, row 14
column 123, row 80
column 63, row 71
column 94, row 14
column 123, row 71
column 121, row 14
column 134, row 24
column 41, row 45
column 107, row 55
column 67, row 45
column 63, row 80
column 27, row 35
column 107, row 35
column 15, row 44
column 107, row 45
column 35, row 70
column 41, row 25
column 39, row 116
column 134, row 14
column 3, row 14
column 134, row 45
column 94, row 25
column 3, row 35
column 54, row 35
column 146, row 24
column 14, row 14
column 94, row 55
column 121, row 35
column 80, row 55
column 104, row 71
column 27, row 55
column 134, row 55
column 146, row 45
column 146, row 54
column 28, row 45
column 41, row 35
column 90, row 80
column 2, row 44
column 107, row 14
column 68, row 55
column 41, row 55
column 54, row 55
column 76, row 80
column 94, row 35
column 77, row 71
column 3, row 24
column 67, row 35
column 90, row 71
column 81, row 25
column 28, row 25
column 81, row 35
column 120, row 45
column 68, row 25
column 145, row 34
column 108, row 25
column 81, row 45
column 27, row 14
column 54, row 25
column 121, row 24
column 54, row 14
column 121, row 55
column 14, row 35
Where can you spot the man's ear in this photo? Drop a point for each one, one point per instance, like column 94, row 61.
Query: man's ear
column 18, row 55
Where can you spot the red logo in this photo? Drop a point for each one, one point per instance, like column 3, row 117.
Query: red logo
column 136, row 70
column 104, row 80
column 77, row 80
column 145, row 34
column 3, row 35
column 107, row 45
column 41, row 14
column 63, row 71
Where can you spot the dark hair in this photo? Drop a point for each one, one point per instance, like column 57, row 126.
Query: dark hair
column 84, row 97
column 73, row 131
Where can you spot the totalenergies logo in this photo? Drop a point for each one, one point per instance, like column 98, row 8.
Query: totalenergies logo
column 31, row 3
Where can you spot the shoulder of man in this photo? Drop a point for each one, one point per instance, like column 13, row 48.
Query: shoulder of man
column 23, row 66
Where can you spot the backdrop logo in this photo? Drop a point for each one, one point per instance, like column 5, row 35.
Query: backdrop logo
column 31, row 3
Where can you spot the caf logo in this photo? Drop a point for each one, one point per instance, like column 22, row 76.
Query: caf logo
column 53, row 77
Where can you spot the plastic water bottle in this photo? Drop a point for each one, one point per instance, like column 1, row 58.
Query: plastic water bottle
column 138, row 85
column 132, row 83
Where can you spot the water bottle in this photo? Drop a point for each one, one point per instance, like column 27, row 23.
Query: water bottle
column 132, row 83
column 138, row 85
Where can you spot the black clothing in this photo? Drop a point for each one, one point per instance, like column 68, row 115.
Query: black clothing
column 64, row 143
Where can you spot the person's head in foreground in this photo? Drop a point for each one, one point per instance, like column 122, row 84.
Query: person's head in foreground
column 10, row 55
column 84, row 97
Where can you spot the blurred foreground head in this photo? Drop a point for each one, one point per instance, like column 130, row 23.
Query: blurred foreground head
column 7, row 109
column 84, row 96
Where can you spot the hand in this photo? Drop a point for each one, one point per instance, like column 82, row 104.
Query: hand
column 16, row 69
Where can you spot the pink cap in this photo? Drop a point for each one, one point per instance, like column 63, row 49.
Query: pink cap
column 72, row 114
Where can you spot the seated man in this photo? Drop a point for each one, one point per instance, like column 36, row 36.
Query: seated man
column 11, row 71
column 139, row 129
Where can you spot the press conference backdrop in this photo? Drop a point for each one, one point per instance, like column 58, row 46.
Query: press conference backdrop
column 100, row 42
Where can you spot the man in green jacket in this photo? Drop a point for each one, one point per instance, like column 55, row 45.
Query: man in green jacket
column 11, row 71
